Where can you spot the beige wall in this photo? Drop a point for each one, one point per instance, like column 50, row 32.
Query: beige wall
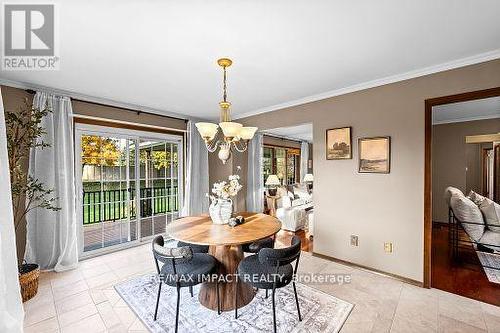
column 451, row 156
column 377, row 208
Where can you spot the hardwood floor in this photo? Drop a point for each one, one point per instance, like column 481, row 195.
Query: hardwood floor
column 465, row 279
column 284, row 238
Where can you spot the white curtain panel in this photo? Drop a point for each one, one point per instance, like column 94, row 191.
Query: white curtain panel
column 51, row 236
column 195, row 200
column 11, row 309
column 304, row 159
column 255, row 182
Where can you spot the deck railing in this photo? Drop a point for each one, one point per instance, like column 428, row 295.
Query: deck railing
column 112, row 205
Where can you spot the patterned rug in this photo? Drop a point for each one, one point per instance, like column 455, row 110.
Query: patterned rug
column 320, row 312
column 490, row 260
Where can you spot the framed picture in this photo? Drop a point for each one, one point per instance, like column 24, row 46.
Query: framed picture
column 338, row 143
column 374, row 154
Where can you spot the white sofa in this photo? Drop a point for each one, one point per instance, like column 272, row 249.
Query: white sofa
column 478, row 216
column 292, row 212
column 310, row 221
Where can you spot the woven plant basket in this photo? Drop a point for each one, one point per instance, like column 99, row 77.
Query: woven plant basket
column 28, row 280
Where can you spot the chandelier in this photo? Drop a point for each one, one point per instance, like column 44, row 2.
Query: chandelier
column 227, row 135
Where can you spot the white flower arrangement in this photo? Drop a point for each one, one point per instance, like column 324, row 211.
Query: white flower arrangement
column 226, row 189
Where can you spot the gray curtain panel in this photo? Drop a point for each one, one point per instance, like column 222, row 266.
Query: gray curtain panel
column 255, row 182
column 304, row 158
column 51, row 240
column 195, row 200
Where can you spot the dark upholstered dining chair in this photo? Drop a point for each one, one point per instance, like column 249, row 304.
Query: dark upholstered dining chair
column 256, row 246
column 196, row 249
column 182, row 267
column 271, row 269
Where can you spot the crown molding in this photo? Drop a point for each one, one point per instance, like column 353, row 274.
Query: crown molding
column 464, row 119
column 483, row 57
column 91, row 99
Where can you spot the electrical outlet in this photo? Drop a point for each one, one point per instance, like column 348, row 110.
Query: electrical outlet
column 354, row 240
column 388, row 247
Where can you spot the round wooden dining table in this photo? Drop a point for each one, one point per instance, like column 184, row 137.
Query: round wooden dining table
column 225, row 245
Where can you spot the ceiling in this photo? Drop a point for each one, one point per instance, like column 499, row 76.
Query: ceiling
column 162, row 54
column 302, row 132
column 486, row 108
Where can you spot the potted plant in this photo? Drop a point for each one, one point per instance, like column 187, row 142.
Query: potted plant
column 221, row 207
column 24, row 132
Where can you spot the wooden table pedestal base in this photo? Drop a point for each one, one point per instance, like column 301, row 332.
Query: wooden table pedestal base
column 229, row 257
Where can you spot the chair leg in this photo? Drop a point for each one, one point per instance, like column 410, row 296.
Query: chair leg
column 218, row 297
column 267, row 294
column 274, row 311
column 157, row 300
column 236, row 297
column 191, row 290
column 297, row 301
column 177, row 309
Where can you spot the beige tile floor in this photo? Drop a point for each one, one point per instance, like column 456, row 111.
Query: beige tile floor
column 83, row 300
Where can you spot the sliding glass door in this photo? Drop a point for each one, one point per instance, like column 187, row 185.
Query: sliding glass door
column 128, row 183
column 158, row 173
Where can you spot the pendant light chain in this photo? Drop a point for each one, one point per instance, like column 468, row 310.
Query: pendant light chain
column 225, row 86
column 225, row 112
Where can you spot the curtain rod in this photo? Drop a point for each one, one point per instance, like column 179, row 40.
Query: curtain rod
column 31, row 91
column 122, row 122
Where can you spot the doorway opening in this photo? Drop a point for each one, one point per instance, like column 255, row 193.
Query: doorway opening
column 462, row 247
column 288, row 175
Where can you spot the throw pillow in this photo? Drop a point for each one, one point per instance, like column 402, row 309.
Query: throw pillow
column 466, row 210
column 298, row 202
column 302, row 193
column 449, row 191
column 491, row 212
column 476, row 198
column 282, row 191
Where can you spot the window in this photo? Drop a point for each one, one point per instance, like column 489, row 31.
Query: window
column 267, row 162
column 283, row 162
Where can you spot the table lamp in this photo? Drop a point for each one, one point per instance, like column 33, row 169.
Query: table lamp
column 309, row 178
column 272, row 182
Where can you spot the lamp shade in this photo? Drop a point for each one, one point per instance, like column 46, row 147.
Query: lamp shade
column 308, row 178
column 207, row 130
column 247, row 133
column 230, row 128
column 272, row 180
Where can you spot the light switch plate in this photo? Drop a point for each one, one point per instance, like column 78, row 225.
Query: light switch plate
column 354, row 240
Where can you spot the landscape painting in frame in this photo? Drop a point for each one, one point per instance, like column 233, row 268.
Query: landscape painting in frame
column 375, row 155
column 338, row 143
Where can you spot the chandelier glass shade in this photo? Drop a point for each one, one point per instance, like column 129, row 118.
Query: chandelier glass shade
column 227, row 135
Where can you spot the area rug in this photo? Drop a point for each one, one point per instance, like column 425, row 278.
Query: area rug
column 320, row 312
column 490, row 260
